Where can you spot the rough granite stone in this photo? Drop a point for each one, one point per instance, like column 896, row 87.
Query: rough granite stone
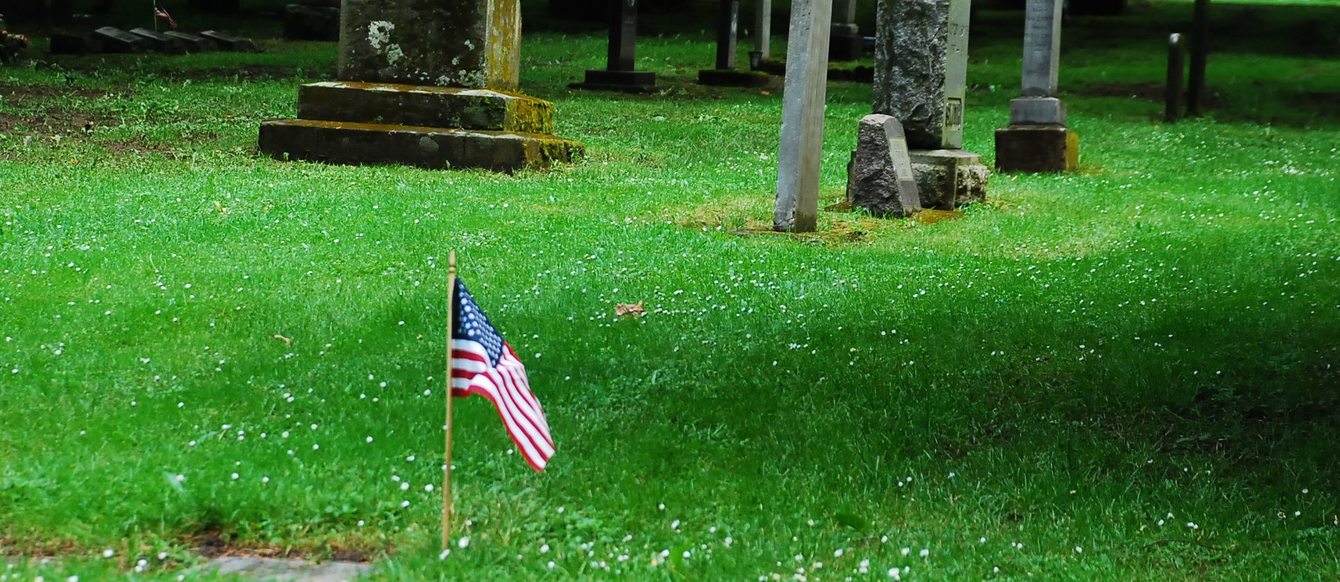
column 424, row 106
column 460, row 43
column 921, row 60
column 880, row 178
column 949, row 179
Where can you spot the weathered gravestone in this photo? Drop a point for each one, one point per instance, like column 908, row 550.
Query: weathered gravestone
column 160, row 42
column 193, row 43
column 762, row 35
column 1037, row 139
column 921, row 64
column 619, row 73
column 845, row 42
column 312, row 20
column 230, row 43
column 115, row 40
column 880, row 177
column 802, row 142
column 725, row 73
column 429, row 84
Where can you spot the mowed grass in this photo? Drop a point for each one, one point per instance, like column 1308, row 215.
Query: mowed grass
column 1129, row 371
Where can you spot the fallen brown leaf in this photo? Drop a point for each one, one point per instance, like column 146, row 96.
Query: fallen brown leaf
column 629, row 309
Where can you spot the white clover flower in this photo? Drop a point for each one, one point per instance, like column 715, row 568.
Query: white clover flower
column 107, row 553
column 463, row 543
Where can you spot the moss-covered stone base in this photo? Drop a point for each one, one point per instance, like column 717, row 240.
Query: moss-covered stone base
column 424, row 105
column 338, row 142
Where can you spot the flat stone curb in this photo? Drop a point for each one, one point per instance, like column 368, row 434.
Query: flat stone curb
column 283, row 570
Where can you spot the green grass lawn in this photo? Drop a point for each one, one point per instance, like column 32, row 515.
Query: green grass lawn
column 1125, row 372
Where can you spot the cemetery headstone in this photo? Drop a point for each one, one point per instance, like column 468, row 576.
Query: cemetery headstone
column 801, row 147
column 115, row 40
column 619, row 73
column 430, row 85
column 160, row 42
column 64, row 43
column 762, row 35
column 1200, row 49
column 1037, row 139
column 845, row 41
column 920, row 78
column 725, row 73
column 312, row 21
column 880, row 177
column 193, row 43
column 230, row 43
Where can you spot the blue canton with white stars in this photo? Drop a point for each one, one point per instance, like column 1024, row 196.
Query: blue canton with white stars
column 471, row 324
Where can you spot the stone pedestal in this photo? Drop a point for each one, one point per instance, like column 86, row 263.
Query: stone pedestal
column 619, row 73
column 1036, row 148
column 948, row 179
column 428, row 86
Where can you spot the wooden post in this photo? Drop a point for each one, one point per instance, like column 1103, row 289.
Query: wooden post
column 1200, row 48
column 803, row 97
column 1172, row 97
column 446, row 468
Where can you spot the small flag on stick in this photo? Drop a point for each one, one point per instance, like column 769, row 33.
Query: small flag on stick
column 480, row 362
column 161, row 13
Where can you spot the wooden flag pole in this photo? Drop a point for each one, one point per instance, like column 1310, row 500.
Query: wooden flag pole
column 446, row 468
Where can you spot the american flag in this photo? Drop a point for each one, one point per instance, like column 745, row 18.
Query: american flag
column 161, row 13
column 482, row 363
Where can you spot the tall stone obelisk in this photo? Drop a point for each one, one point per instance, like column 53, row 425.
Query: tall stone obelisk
column 429, row 83
column 1038, row 139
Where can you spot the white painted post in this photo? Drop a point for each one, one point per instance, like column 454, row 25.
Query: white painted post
column 803, row 97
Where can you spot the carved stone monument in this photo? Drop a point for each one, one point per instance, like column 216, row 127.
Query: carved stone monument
column 921, row 64
column 880, row 177
column 1037, row 139
column 725, row 73
column 429, row 84
column 619, row 73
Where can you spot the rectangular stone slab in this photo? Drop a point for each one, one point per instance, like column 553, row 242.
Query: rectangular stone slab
column 426, row 147
column 193, row 43
column 230, row 43
column 160, row 42
column 115, row 40
column 427, row 106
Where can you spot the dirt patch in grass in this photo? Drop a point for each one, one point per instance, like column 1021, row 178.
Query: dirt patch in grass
column 242, row 73
column 47, row 109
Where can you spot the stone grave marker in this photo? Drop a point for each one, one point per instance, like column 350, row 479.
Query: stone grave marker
column 312, row 20
column 230, row 43
column 725, row 73
column 801, row 148
column 920, row 78
column 430, row 85
column 1037, row 139
column 619, row 73
column 762, row 35
column 160, row 42
column 880, row 177
column 193, row 43
column 845, row 42
column 115, row 40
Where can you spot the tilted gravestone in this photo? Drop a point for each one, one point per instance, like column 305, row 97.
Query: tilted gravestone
column 1038, row 139
column 619, row 73
column 725, row 73
column 423, row 84
column 880, row 177
column 115, row 40
column 800, row 150
column 160, row 42
column 921, row 64
column 193, row 43
column 230, row 43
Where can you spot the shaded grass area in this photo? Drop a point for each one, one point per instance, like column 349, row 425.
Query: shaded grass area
column 1129, row 368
